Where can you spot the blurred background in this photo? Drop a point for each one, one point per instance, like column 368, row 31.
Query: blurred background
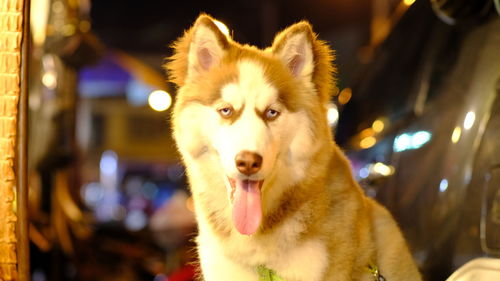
column 417, row 111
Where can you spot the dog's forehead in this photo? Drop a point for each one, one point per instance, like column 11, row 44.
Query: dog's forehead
column 252, row 87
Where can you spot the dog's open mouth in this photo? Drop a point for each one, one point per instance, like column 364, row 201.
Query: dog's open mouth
column 247, row 207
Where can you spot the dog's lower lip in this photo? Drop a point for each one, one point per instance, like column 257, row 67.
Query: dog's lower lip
column 232, row 182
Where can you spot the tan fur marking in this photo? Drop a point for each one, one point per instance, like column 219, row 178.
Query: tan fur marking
column 210, row 86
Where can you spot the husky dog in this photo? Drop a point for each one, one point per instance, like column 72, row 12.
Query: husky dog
column 274, row 195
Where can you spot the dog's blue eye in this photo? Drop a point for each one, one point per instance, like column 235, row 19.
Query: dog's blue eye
column 272, row 114
column 226, row 111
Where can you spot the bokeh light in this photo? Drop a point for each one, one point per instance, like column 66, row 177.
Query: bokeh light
column 332, row 114
column 455, row 136
column 367, row 142
column 378, row 126
column 345, row 95
column 469, row 120
column 443, row 185
column 159, row 100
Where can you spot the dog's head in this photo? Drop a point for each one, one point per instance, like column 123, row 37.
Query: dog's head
column 250, row 118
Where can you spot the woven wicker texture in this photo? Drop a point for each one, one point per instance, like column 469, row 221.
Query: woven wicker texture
column 11, row 18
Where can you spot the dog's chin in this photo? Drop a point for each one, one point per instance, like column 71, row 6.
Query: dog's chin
column 246, row 202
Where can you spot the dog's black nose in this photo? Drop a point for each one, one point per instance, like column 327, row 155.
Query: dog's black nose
column 248, row 163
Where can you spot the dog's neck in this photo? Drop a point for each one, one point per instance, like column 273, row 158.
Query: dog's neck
column 328, row 170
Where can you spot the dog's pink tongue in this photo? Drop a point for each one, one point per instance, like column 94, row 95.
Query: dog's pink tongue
column 247, row 210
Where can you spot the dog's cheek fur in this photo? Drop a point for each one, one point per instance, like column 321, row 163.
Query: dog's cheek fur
column 302, row 146
column 193, row 141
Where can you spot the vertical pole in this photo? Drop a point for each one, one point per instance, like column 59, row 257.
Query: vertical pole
column 22, row 155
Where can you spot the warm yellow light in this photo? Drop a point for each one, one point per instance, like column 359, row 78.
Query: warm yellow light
column 49, row 80
column 382, row 169
column 367, row 142
column 378, row 126
column 368, row 132
column 159, row 100
column 332, row 114
column 408, row 2
column 345, row 95
column 68, row 29
column 222, row 27
column 455, row 137
column 38, row 20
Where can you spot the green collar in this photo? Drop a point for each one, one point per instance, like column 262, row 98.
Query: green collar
column 373, row 269
column 266, row 274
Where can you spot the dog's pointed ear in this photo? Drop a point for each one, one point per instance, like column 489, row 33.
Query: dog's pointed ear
column 306, row 57
column 201, row 48
column 294, row 47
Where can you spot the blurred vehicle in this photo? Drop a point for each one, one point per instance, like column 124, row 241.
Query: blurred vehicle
column 423, row 132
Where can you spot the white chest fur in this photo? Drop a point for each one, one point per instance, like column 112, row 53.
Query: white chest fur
column 237, row 257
